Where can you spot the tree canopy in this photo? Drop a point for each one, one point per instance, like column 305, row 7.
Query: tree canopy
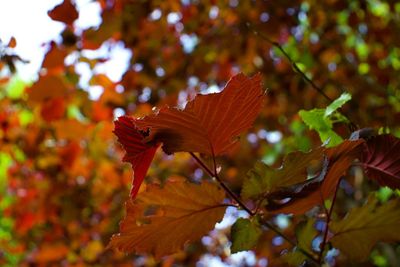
column 278, row 120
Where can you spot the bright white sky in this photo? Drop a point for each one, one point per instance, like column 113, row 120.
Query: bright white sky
column 29, row 23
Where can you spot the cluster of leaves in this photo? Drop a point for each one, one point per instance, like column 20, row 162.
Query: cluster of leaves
column 180, row 212
column 62, row 181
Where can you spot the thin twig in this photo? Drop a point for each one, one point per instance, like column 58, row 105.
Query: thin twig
column 328, row 220
column 352, row 126
column 222, row 184
column 295, row 66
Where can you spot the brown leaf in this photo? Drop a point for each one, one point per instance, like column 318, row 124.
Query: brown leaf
column 64, row 12
column 363, row 227
column 210, row 123
column 161, row 220
column 381, row 160
column 340, row 158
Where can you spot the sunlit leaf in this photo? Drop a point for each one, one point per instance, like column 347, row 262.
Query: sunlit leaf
column 138, row 153
column 209, row 124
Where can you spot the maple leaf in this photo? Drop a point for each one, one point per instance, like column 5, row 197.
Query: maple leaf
column 381, row 160
column 162, row 220
column 138, row 153
column 210, row 123
column 363, row 227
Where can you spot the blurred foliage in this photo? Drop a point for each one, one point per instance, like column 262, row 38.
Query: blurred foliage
column 62, row 180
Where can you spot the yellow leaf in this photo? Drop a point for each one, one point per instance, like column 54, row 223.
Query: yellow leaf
column 161, row 220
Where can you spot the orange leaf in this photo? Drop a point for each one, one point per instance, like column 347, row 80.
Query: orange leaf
column 210, row 123
column 46, row 87
column 138, row 153
column 162, row 220
column 12, row 43
column 64, row 12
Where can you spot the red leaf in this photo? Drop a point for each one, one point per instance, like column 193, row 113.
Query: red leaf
column 210, row 123
column 138, row 153
column 381, row 160
column 64, row 12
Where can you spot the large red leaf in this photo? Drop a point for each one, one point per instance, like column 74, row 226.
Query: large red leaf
column 210, row 123
column 138, row 153
column 381, row 160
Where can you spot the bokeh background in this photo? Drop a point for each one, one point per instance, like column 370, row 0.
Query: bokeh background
column 67, row 73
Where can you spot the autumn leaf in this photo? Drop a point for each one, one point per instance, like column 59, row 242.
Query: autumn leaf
column 162, row 220
column 381, row 160
column 340, row 158
column 48, row 86
column 210, row 123
column 263, row 180
column 245, row 234
column 64, row 12
column 363, row 227
column 138, row 153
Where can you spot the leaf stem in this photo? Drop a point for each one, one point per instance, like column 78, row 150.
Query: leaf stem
column 222, row 184
column 328, row 220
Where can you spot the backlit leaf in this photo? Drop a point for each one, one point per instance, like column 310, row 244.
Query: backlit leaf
column 338, row 103
column 138, row 153
column 210, row 123
column 245, row 234
column 381, row 160
column 322, row 120
column 162, row 220
column 363, row 227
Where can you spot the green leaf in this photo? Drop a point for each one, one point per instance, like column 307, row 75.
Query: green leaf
column 339, row 102
column 322, row 120
column 363, row 227
column 263, row 179
column 245, row 234
column 305, row 235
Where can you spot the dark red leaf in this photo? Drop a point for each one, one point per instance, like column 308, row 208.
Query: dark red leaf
column 138, row 153
column 381, row 160
column 64, row 12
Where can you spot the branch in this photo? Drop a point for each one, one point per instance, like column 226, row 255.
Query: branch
column 222, row 184
column 352, row 126
column 328, row 220
column 295, row 66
